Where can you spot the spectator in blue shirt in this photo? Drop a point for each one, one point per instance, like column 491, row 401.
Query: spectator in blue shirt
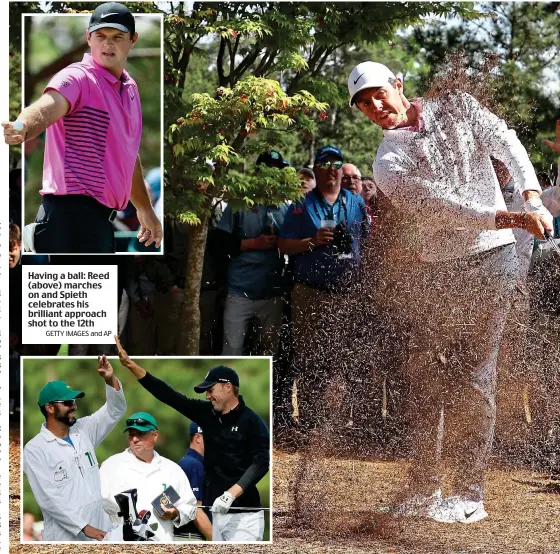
column 192, row 463
column 255, row 272
column 325, row 232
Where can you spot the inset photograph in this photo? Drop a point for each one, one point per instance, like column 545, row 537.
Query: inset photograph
column 158, row 450
column 92, row 133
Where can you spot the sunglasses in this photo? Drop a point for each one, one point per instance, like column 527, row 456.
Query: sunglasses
column 139, row 421
column 67, row 403
column 326, row 165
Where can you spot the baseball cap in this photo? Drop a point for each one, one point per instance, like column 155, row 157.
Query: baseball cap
column 218, row 374
column 194, row 429
column 368, row 75
column 328, row 151
column 272, row 158
column 114, row 15
column 58, row 390
column 142, row 421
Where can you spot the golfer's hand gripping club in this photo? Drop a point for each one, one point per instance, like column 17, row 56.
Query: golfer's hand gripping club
column 536, row 207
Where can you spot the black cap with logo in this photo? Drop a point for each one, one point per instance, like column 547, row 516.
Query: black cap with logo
column 113, row 15
column 218, row 374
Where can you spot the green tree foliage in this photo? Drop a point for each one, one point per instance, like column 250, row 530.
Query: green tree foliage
column 181, row 374
column 252, row 43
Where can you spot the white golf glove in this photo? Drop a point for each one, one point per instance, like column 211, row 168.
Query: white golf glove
column 223, row 503
column 535, row 205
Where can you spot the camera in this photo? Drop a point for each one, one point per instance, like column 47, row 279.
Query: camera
column 342, row 239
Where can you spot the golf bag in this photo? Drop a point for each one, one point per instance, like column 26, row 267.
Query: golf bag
column 135, row 526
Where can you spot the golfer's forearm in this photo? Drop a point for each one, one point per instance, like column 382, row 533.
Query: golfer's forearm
column 509, row 220
column 295, row 246
column 48, row 109
column 136, row 370
column 139, row 194
column 235, row 490
column 113, row 382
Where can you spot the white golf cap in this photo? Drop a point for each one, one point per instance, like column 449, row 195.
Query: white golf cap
column 368, row 75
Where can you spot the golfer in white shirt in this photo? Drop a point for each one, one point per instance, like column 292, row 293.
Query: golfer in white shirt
column 434, row 165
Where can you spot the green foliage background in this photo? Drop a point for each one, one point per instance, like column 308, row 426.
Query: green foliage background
column 181, row 374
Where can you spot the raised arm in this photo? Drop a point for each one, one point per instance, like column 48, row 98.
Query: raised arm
column 196, row 410
column 99, row 424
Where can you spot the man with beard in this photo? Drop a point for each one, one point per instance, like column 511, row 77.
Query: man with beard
column 60, row 461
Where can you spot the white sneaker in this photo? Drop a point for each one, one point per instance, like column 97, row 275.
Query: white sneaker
column 456, row 509
column 417, row 505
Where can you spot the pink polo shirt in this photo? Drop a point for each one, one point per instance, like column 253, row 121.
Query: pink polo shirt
column 93, row 148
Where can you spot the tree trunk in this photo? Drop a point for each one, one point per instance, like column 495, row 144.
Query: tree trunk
column 189, row 321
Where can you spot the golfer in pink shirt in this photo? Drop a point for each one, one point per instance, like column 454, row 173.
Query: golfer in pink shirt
column 93, row 119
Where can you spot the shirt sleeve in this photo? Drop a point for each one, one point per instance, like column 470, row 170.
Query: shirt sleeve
column 291, row 228
column 71, row 83
column 195, row 410
column 100, row 424
column 502, row 143
column 186, row 505
column 46, row 493
column 414, row 194
column 259, row 447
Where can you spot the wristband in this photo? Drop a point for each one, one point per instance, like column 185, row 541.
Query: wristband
column 311, row 245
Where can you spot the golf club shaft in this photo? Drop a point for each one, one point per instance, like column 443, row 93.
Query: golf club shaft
column 239, row 509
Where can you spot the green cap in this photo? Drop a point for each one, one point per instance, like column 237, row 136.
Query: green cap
column 58, row 390
column 142, row 421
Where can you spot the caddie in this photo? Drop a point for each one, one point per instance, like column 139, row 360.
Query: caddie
column 60, row 462
column 434, row 165
column 140, row 467
column 236, row 448
column 93, row 120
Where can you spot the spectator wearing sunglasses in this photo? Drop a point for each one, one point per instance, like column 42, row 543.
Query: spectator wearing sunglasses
column 324, row 232
column 60, row 461
column 142, row 468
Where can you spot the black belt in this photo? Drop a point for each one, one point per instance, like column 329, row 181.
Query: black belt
column 80, row 200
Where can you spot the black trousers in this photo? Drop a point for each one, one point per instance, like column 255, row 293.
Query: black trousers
column 74, row 224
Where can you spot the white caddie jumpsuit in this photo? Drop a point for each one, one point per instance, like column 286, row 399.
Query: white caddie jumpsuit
column 65, row 479
column 125, row 471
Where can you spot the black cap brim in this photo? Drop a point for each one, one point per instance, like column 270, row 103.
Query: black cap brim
column 110, row 25
column 204, row 386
